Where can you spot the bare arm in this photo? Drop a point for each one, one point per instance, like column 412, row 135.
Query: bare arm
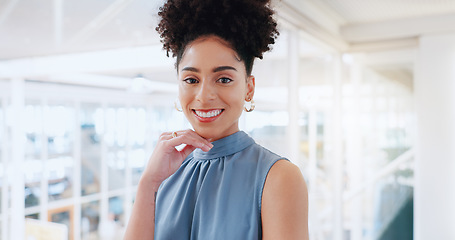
column 165, row 160
column 285, row 203
column 142, row 222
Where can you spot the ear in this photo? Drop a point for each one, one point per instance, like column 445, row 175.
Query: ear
column 250, row 86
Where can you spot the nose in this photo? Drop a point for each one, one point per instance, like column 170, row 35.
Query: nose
column 206, row 92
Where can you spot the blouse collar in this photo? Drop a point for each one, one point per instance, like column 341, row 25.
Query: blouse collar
column 225, row 146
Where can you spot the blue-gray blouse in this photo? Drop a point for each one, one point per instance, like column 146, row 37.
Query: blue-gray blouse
column 215, row 194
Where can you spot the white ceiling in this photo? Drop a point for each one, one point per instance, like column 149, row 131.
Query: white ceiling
column 38, row 34
column 361, row 22
column 368, row 11
column 46, row 27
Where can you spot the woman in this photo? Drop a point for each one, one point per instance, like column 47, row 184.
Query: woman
column 221, row 185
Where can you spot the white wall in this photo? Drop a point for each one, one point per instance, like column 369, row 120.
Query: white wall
column 434, row 208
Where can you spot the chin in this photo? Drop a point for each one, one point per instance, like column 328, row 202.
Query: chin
column 208, row 134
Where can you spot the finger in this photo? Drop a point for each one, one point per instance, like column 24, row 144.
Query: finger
column 165, row 136
column 197, row 136
column 192, row 134
column 192, row 139
column 187, row 150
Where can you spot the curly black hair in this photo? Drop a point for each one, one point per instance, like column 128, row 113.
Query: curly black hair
column 247, row 25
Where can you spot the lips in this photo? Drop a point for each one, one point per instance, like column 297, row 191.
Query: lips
column 207, row 115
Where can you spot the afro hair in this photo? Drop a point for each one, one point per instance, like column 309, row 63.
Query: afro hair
column 247, row 25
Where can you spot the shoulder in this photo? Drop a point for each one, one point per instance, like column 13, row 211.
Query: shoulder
column 284, row 209
column 284, row 177
column 284, row 170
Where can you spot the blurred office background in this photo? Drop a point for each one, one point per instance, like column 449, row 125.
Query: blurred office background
column 359, row 94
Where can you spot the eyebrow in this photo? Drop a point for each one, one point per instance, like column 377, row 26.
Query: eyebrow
column 217, row 69
column 222, row 68
column 191, row 69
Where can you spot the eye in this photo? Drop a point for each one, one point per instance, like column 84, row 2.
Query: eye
column 190, row 80
column 224, row 80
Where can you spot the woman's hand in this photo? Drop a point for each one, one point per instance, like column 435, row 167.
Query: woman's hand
column 166, row 159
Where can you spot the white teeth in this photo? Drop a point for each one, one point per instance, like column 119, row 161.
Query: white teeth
column 208, row 114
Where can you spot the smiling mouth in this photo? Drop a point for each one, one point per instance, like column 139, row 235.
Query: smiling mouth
column 208, row 114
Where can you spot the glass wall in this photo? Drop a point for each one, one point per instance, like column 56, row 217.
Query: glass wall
column 33, row 153
column 138, row 128
column 64, row 216
column 117, row 141
column 90, row 220
column 379, row 122
column 269, row 129
column 91, row 122
column 59, row 129
column 376, row 142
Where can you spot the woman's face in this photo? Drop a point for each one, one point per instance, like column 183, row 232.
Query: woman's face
column 213, row 87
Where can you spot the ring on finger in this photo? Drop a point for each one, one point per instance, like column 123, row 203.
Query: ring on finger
column 174, row 134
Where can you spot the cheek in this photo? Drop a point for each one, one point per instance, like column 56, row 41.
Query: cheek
column 236, row 98
column 184, row 95
column 184, row 102
column 184, row 99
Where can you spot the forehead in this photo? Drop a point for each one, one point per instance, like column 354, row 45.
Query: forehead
column 210, row 52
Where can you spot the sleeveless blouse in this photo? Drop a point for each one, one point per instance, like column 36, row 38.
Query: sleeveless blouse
column 215, row 194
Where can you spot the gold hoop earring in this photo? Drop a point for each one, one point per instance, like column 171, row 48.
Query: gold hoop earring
column 176, row 105
column 251, row 106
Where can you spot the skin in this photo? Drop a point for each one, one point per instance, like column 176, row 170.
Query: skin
column 212, row 92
